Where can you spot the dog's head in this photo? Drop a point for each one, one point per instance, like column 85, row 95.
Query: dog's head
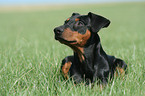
column 78, row 28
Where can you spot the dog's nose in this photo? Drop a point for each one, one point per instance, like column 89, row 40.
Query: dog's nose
column 58, row 30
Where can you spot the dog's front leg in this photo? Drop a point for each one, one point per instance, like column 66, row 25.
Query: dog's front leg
column 66, row 65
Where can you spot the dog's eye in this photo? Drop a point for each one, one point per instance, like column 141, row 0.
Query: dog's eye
column 78, row 25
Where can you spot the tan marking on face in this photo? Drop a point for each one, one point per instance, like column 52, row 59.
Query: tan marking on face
column 65, row 69
column 77, row 19
column 81, row 39
column 68, row 19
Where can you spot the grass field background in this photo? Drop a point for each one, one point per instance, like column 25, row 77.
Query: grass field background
column 30, row 58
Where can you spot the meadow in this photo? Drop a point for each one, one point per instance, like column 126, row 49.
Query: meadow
column 30, row 57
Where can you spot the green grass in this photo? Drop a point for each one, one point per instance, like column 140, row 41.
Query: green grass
column 30, row 58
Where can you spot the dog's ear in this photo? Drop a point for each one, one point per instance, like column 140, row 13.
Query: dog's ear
column 97, row 22
column 75, row 14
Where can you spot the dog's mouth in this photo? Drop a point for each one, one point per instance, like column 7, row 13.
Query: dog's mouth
column 63, row 40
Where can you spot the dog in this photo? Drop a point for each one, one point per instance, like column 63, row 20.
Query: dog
column 89, row 62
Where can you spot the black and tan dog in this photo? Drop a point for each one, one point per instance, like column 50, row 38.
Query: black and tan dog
column 89, row 62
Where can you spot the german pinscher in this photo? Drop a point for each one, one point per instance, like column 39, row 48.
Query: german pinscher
column 89, row 62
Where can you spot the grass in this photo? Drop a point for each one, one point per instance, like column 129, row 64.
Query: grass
column 30, row 58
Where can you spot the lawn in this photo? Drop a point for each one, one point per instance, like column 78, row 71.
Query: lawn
column 30, row 58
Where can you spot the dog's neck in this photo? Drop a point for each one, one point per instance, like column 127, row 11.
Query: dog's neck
column 78, row 53
column 86, row 53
